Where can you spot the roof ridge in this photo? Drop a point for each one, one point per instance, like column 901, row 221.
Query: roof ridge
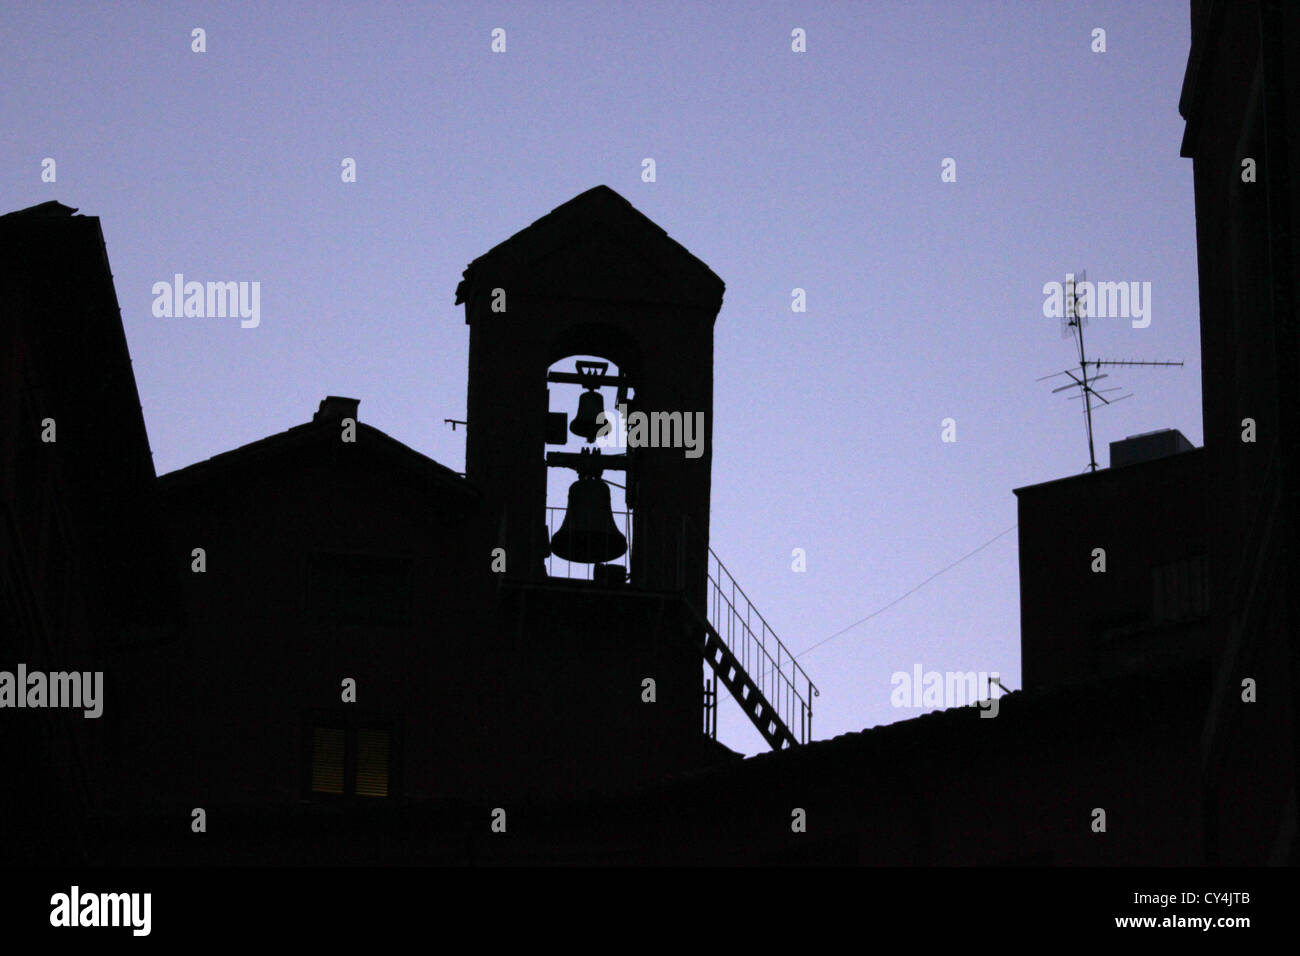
column 45, row 210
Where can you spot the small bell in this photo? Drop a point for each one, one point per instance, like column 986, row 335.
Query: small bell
column 586, row 424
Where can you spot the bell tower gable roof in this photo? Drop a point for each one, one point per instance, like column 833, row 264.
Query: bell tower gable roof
column 595, row 246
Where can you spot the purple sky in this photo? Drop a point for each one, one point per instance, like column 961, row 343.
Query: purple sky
column 818, row 170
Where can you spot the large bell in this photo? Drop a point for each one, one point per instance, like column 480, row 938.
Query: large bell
column 585, row 425
column 588, row 535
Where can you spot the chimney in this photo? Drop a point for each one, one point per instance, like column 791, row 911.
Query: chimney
column 334, row 408
column 1147, row 447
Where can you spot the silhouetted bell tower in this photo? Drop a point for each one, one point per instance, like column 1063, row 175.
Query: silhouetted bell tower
column 594, row 277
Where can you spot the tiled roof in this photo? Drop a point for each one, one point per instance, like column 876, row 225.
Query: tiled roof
column 1099, row 709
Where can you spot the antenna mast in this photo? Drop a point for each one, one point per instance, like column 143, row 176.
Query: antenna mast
column 1072, row 323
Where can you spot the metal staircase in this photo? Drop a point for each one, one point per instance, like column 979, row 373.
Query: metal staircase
column 751, row 662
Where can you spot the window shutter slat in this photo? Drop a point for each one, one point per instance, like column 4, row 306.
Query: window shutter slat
column 327, row 760
column 372, row 763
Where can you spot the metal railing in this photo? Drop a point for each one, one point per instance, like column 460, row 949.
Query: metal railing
column 558, row 567
column 769, row 663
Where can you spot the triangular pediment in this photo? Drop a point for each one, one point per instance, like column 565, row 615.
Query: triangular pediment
column 596, row 246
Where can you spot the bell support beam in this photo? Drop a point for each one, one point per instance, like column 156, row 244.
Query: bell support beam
column 590, row 381
column 583, row 461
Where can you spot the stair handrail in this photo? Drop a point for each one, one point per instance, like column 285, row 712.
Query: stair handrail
column 784, row 693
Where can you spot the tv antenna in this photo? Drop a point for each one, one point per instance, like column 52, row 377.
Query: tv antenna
column 1073, row 320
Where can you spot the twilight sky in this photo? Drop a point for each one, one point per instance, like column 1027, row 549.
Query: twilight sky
column 817, row 170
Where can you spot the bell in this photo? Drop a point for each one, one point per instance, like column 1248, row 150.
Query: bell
column 585, row 425
column 588, row 535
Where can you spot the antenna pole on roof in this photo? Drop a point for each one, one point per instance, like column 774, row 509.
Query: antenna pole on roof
column 1076, row 317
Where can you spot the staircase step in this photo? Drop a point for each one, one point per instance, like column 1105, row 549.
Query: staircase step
column 745, row 691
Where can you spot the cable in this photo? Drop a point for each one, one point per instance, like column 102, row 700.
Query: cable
column 905, row 594
column 881, row 610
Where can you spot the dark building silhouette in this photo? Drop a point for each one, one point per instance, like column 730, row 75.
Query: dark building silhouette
column 1112, row 565
column 1241, row 100
column 331, row 552
column 349, row 623
column 76, row 481
column 345, row 652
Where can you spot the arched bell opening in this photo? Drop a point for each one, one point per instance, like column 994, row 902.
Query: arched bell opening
column 589, row 524
column 598, row 341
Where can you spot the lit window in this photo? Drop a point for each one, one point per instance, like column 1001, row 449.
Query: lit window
column 372, row 763
column 327, row 760
column 351, row 760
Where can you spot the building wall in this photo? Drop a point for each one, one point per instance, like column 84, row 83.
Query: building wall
column 488, row 692
column 950, row 788
column 1240, row 99
column 259, row 660
column 1149, row 606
